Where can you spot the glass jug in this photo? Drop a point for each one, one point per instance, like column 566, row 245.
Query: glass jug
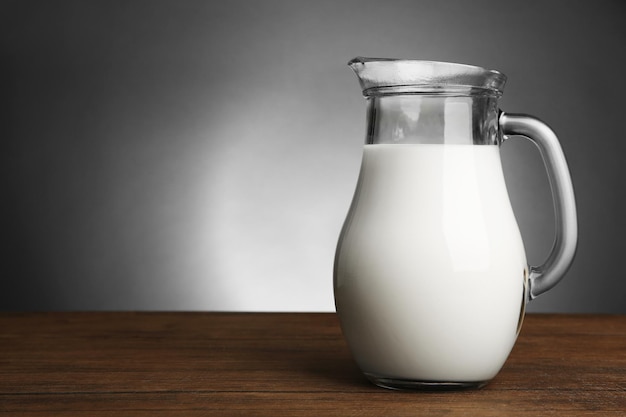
column 430, row 275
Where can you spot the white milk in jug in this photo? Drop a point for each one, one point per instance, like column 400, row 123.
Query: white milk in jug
column 430, row 271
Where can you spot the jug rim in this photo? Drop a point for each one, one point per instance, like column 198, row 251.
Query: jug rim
column 389, row 76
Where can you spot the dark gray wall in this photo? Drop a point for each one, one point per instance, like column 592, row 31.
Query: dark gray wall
column 202, row 155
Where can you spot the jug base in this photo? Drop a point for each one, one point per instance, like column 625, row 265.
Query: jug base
column 408, row 384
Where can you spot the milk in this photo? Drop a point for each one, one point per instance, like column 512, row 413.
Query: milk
column 430, row 270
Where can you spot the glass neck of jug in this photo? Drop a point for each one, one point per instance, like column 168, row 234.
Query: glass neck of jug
column 432, row 119
column 426, row 102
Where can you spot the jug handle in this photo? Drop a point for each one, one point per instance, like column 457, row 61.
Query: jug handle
column 545, row 276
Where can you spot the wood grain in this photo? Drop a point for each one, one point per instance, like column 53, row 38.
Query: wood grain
column 125, row 363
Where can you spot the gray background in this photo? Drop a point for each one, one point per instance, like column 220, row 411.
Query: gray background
column 197, row 155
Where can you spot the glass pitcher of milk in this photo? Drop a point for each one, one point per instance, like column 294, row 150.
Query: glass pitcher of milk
column 430, row 276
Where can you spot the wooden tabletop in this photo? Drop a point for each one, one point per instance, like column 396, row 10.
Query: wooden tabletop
column 199, row 364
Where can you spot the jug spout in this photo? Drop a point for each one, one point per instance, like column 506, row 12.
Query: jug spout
column 362, row 67
column 384, row 76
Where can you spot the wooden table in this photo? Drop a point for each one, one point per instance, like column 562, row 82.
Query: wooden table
column 199, row 364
